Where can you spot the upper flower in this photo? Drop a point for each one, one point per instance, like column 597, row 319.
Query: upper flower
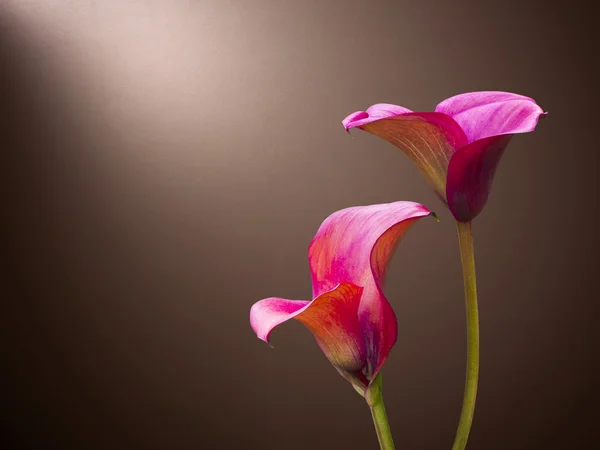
column 349, row 315
column 458, row 147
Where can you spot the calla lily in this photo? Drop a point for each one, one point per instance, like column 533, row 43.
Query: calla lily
column 349, row 315
column 459, row 145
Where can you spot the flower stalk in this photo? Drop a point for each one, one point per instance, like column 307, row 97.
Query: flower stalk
column 374, row 399
column 467, row 256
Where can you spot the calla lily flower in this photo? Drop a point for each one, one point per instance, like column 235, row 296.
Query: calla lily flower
column 458, row 146
column 349, row 315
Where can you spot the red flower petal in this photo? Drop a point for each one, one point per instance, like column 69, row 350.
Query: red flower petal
column 355, row 245
column 428, row 138
column 458, row 147
column 350, row 317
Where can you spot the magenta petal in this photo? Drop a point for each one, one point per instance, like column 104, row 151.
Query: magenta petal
column 332, row 317
column 471, row 174
column 375, row 112
column 355, row 245
column 486, row 114
column 266, row 314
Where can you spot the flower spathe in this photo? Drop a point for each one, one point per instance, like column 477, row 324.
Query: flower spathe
column 458, row 146
column 349, row 315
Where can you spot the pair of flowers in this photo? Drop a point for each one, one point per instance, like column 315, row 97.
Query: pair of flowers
column 457, row 149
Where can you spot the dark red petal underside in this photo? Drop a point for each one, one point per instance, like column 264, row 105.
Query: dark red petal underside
column 471, row 174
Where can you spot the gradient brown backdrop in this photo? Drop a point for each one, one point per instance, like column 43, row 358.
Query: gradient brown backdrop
column 164, row 164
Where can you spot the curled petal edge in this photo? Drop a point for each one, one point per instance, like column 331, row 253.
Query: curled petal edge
column 332, row 318
column 374, row 112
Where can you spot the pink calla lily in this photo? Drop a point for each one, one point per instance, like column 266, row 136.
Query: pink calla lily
column 349, row 315
column 458, row 146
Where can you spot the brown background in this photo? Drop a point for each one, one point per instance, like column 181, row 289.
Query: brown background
column 166, row 163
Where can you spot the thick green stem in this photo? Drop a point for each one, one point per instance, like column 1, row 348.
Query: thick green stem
column 382, row 427
column 467, row 256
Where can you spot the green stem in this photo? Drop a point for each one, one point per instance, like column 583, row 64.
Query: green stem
column 382, row 427
column 467, row 256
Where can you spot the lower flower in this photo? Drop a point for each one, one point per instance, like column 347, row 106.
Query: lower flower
column 349, row 315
